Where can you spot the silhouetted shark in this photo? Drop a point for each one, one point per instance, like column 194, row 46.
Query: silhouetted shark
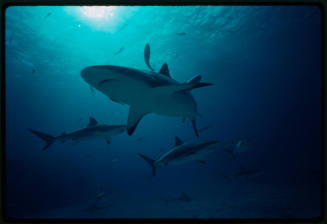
column 145, row 91
column 92, row 131
column 181, row 153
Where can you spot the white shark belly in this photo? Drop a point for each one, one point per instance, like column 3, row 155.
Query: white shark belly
column 138, row 94
column 131, row 92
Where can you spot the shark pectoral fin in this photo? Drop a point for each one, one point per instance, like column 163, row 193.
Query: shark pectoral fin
column 194, row 128
column 164, row 70
column 150, row 161
column 134, row 118
column 195, row 79
column 178, row 141
column 92, row 89
column 202, row 161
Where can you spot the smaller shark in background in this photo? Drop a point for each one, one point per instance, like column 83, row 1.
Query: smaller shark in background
column 92, row 131
column 181, row 34
column 240, row 147
column 244, row 172
column 181, row 153
column 181, row 198
column 99, row 203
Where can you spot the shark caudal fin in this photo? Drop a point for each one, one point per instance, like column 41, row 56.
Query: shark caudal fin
column 45, row 137
column 149, row 161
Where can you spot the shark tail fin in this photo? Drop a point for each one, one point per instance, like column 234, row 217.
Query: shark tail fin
column 45, row 137
column 149, row 161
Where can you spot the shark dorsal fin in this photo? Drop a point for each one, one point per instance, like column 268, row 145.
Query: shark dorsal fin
column 178, row 141
column 147, row 56
column 92, row 122
column 195, row 79
column 164, row 70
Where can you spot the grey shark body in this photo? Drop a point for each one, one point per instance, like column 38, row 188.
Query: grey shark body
column 145, row 91
column 181, row 153
column 92, row 131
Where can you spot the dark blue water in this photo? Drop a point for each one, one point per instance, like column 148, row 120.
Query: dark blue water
column 264, row 62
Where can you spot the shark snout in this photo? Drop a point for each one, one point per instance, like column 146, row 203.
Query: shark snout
column 93, row 75
column 86, row 73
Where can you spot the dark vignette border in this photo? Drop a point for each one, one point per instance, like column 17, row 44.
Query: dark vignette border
column 6, row 3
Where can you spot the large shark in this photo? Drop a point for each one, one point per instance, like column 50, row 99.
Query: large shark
column 181, row 153
column 92, row 131
column 145, row 91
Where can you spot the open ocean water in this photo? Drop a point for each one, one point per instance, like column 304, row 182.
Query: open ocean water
column 265, row 66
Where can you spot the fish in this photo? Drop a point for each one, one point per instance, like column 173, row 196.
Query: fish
column 183, row 197
column 145, row 92
column 119, row 51
column 47, row 15
column 147, row 52
column 99, row 203
column 123, row 26
column 92, row 131
column 181, row 34
column 181, row 153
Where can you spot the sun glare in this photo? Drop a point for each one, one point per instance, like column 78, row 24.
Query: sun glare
column 98, row 12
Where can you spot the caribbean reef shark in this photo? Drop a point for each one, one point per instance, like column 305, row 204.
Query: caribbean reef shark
column 181, row 153
column 145, row 91
column 92, row 131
